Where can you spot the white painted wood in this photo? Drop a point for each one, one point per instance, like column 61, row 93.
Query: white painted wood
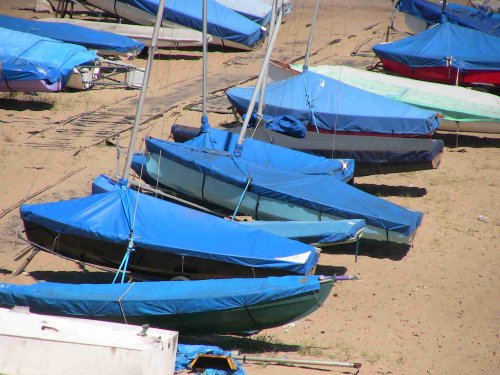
column 35, row 344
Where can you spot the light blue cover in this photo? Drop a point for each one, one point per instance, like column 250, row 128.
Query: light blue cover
column 445, row 45
column 153, row 298
column 335, row 106
column 167, row 227
column 92, row 39
column 455, row 13
column 222, row 22
column 321, row 192
column 274, row 156
column 256, row 10
column 31, row 57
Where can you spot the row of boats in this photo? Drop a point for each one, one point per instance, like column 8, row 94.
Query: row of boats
column 243, row 277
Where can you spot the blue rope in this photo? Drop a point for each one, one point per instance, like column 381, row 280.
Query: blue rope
column 126, row 257
column 241, row 199
column 310, row 103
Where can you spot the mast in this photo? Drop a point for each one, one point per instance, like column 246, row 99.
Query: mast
column 311, row 33
column 264, row 83
column 204, row 117
column 142, row 96
column 258, row 84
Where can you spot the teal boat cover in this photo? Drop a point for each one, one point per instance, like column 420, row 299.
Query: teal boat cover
column 222, row 22
column 166, row 227
column 320, row 191
column 445, row 45
column 155, row 298
column 65, row 32
column 31, row 57
column 331, row 105
column 479, row 19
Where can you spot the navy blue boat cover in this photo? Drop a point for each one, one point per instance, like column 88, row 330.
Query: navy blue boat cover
column 335, row 106
column 322, row 192
column 153, row 298
column 65, row 32
column 222, row 22
column 455, row 13
column 31, row 57
column 445, row 45
column 166, row 227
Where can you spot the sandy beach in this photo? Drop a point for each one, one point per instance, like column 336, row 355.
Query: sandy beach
column 432, row 308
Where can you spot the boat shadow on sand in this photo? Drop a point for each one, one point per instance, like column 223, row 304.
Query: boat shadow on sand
column 372, row 249
column 36, row 103
column 392, row 191
column 454, row 140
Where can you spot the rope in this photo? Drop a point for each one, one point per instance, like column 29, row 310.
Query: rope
column 119, row 300
column 310, row 104
column 241, row 198
column 123, row 265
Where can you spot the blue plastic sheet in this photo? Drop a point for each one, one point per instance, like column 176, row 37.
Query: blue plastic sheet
column 454, row 13
column 445, row 45
column 321, row 192
column 222, row 22
column 335, row 106
column 31, row 57
column 166, row 227
column 153, row 298
column 285, row 124
column 92, row 39
column 187, row 353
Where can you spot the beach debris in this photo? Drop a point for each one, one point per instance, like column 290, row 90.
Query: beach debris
column 482, row 218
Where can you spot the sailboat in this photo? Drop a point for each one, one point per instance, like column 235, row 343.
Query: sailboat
column 219, row 168
column 204, row 306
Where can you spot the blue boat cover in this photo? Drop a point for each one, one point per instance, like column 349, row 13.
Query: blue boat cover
column 332, row 105
column 153, row 298
column 187, row 353
column 454, row 13
column 167, row 227
column 285, row 124
column 320, row 192
column 222, row 22
column 256, row 10
column 92, row 39
column 31, row 57
column 445, row 45
column 273, row 156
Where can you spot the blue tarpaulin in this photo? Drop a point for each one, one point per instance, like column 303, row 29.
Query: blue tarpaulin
column 187, row 353
column 222, row 22
column 445, row 45
column 92, row 39
column 454, row 13
column 166, row 227
column 334, row 106
column 285, row 124
column 31, row 57
column 153, row 298
column 320, row 192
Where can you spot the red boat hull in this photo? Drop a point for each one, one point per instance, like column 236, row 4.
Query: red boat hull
column 444, row 74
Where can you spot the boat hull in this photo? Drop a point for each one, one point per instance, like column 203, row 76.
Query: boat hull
column 30, row 86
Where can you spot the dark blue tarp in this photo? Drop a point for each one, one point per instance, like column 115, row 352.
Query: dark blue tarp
column 445, row 45
column 166, row 227
column 222, row 22
column 92, row 39
column 153, row 298
column 454, row 13
column 285, row 124
column 335, row 106
column 275, row 157
column 320, row 192
column 31, row 57
column 187, row 353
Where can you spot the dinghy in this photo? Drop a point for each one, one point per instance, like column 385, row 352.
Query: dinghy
column 330, row 106
column 37, row 64
column 190, row 307
column 432, row 13
column 227, row 27
column 445, row 53
column 462, row 109
column 104, row 42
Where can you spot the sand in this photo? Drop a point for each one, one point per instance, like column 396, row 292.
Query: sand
column 430, row 309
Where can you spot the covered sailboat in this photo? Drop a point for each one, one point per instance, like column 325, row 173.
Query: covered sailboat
column 445, row 53
column 330, row 106
column 33, row 63
column 194, row 307
column 207, row 168
column 233, row 29
column 462, row 108
column 160, row 237
column 463, row 15
column 104, row 42
column 256, row 10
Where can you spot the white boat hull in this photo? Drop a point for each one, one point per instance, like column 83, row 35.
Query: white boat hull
column 192, row 182
column 35, row 344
